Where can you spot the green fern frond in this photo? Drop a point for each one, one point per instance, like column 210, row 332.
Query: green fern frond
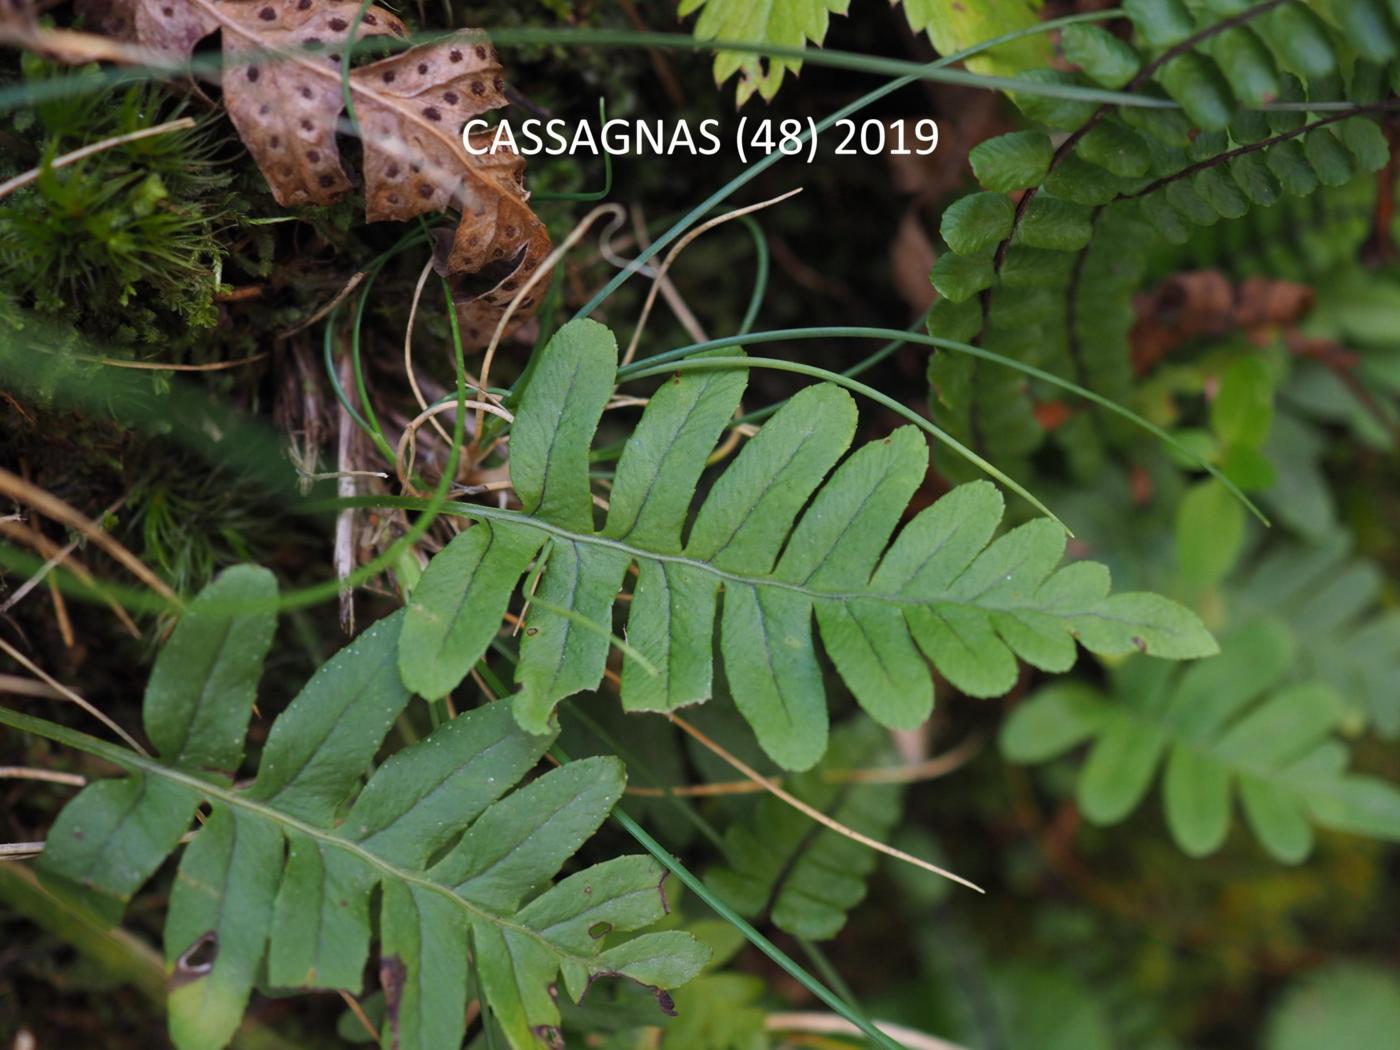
column 1225, row 725
column 939, row 592
column 1329, row 600
column 276, row 885
column 805, row 876
column 1049, row 281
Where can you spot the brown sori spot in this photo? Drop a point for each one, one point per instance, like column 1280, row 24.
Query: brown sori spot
column 393, row 198
column 511, row 231
column 450, row 98
column 314, row 156
column 481, row 53
column 389, row 76
column 335, row 58
column 370, row 20
column 500, row 84
column 498, row 253
column 339, row 24
column 424, row 190
column 254, row 73
column 313, row 42
column 327, row 180
column 306, row 125
column 267, row 14
column 264, row 109
column 478, row 88
column 422, row 68
column 302, row 5
column 415, row 168
column 433, row 113
column 455, row 55
column 306, row 92
column 393, row 172
column 168, row 12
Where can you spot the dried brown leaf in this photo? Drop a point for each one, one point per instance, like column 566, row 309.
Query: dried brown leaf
column 283, row 91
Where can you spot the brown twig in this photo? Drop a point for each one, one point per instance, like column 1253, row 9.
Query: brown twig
column 51, row 506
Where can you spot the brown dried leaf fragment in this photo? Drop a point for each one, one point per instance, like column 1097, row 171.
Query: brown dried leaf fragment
column 17, row 13
column 410, row 107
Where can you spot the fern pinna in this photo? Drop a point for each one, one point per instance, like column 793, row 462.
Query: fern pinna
column 939, row 593
column 1243, row 107
column 274, row 889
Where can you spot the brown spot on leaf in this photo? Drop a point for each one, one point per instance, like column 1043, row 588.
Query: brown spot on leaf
column 339, row 25
column 422, row 68
column 196, row 961
column 433, row 113
column 253, row 73
column 392, row 975
column 455, row 56
column 267, row 14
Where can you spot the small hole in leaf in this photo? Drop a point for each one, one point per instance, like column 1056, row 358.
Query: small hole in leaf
column 198, row 959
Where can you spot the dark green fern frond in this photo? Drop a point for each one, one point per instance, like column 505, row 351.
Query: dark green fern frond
column 807, row 877
column 1048, row 281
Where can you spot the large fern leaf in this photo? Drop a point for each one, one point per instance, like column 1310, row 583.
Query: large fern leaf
column 279, row 879
column 782, row 545
column 1225, row 725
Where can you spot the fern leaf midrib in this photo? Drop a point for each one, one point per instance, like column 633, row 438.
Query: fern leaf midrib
column 517, row 518
column 135, row 763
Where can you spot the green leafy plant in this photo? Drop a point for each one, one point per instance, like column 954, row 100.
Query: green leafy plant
column 1049, row 279
column 939, row 589
column 1225, row 725
column 809, row 878
column 275, row 887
